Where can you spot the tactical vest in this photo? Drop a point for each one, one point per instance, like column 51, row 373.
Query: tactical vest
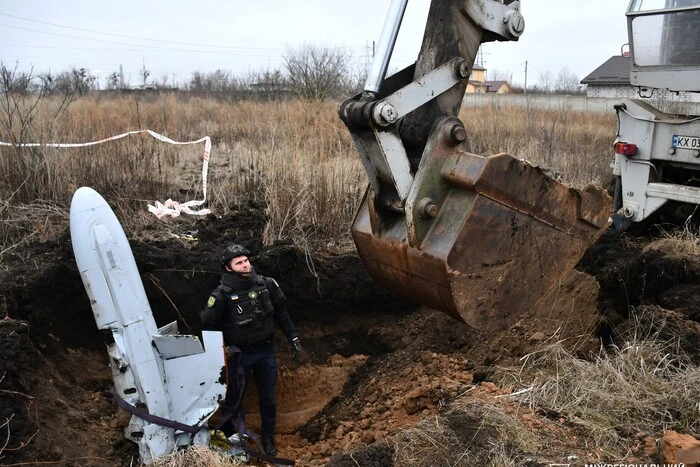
column 249, row 320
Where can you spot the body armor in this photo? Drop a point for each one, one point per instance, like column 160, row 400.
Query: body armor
column 248, row 320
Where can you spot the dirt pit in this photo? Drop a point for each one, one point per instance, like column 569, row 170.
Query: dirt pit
column 373, row 364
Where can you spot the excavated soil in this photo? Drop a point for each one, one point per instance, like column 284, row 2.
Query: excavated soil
column 373, row 362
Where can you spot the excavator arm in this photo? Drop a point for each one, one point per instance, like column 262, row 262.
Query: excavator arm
column 480, row 238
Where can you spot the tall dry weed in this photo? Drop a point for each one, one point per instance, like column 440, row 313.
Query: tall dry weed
column 296, row 157
column 647, row 384
column 471, row 432
column 681, row 243
column 196, row 456
column 577, row 145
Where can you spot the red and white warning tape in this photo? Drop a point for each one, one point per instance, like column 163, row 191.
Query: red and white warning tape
column 169, row 207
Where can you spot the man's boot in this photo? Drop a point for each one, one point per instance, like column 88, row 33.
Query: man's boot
column 268, row 444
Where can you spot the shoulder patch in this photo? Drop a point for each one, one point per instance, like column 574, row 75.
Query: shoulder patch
column 212, row 301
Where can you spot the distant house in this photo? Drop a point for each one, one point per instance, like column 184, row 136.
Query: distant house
column 611, row 79
column 479, row 85
column 476, row 80
column 500, row 87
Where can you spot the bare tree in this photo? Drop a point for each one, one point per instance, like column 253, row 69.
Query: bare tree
column 21, row 92
column 498, row 75
column 196, row 83
column 76, row 81
column 163, row 82
column 269, row 84
column 546, row 82
column 218, row 81
column 317, row 73
column 567, row 82
column 355, row 81
column 25, row 172
column 112, row 80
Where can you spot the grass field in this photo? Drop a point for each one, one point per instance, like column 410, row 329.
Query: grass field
column 297, row 157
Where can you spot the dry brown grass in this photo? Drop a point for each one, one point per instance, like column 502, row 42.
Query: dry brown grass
column 297, row 157
column 471, row 432
column 195, row 456
column 577, row 145
column 678, row 243
column 645, row 385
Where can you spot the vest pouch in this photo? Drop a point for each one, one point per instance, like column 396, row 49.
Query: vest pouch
column 267, row 303
column 253, row 317
column 244, row 313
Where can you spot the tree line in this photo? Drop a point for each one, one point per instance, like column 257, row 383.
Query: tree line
column 563, row 82
column 309, row 73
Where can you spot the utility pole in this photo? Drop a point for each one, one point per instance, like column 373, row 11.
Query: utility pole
column 145, row 73
column 525, row 76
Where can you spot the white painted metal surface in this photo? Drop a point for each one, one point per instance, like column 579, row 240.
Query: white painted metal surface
column 494, row 16
column 177, row 378
column 644, row 189
column 393, row 156
column 425, row 88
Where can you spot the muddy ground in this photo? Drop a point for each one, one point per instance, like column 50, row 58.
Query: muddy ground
column 373, row 362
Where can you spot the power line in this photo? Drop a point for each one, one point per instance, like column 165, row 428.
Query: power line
column 242, row 53
column 119, row 35
column 139, row 38
column 156, row 47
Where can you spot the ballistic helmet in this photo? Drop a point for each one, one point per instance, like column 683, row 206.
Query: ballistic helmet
column 231, row 252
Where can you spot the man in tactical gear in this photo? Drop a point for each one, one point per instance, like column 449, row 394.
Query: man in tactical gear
column 245, row 307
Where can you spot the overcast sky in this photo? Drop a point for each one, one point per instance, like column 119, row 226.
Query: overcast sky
column 174, row 38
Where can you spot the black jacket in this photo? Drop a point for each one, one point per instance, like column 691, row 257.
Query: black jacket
column 246, row 311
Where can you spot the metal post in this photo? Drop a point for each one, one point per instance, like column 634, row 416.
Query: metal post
column 386, row 45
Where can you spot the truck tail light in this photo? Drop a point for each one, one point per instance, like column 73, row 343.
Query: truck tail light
column 627, row 149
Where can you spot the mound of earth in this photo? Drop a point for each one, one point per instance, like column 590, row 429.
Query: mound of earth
column 373, row 363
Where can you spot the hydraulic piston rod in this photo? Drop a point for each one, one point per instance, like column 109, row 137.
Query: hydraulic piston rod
column 386, row 46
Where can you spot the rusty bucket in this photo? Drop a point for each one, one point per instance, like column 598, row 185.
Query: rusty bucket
column 482, row 238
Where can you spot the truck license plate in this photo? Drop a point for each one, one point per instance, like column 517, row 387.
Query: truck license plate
column 686, row 142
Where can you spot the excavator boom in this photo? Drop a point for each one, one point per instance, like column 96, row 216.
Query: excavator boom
column 480, row 238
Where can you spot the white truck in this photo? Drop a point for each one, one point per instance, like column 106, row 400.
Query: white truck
column 657, row 154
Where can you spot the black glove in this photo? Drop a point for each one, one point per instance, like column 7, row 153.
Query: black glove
column 296, row 348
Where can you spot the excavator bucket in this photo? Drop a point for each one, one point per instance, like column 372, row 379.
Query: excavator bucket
column 481, row 238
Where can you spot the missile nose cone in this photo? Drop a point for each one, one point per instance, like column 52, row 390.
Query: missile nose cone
column 85, row 198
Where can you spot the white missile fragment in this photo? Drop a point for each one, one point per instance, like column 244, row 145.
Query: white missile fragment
column 171, row 383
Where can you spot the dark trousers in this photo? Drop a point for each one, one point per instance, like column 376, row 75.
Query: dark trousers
column 263, row 366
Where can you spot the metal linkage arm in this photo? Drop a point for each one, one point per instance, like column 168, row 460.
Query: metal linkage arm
column 390, row 122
